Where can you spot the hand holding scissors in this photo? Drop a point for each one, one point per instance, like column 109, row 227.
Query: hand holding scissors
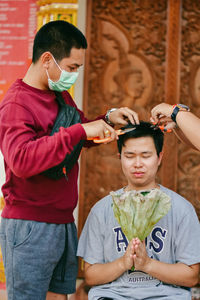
column 108, row 139
column 123, row 131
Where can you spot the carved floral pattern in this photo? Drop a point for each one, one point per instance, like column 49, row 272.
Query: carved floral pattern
column 126, row 68
column 189, row 160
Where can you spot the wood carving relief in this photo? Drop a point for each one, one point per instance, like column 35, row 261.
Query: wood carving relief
column 189, row 160
column 126, row 67
column 141, row 53
column 127, row 77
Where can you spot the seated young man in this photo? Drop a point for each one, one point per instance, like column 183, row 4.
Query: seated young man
column 167, row 263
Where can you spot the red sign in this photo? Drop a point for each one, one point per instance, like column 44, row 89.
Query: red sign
column 17, row 30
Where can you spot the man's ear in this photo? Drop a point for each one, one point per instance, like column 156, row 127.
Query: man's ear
column 119, row 155
column 46, row 59
column 160, row 157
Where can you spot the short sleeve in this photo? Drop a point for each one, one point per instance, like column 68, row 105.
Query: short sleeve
column 90, row 246
column 188, row 238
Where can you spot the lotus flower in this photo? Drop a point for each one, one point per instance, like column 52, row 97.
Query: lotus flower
column 138, row 211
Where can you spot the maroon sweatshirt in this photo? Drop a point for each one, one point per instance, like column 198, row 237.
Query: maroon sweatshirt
column 27, row 116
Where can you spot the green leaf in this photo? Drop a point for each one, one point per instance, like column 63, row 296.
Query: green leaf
column 138, row 211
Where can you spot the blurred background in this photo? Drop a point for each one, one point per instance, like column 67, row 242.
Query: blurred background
column 140, row 53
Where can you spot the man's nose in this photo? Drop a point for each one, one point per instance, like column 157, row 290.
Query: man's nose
column 138, row 161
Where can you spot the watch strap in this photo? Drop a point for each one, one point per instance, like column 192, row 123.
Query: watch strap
column 177, row 108
column 107, row 116
column 174, row 113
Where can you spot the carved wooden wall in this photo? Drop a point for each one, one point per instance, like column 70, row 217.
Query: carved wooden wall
column 141, row 53
column 189, row 160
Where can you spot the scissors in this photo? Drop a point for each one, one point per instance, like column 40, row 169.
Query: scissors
column 107, row 139
column 161, row 127
column 123, row 131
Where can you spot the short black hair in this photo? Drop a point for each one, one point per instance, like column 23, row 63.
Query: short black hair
column 57, row 37
column 142, row 130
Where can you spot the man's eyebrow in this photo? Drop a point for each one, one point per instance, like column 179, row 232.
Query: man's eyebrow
column 133, row 152
column 129, row 152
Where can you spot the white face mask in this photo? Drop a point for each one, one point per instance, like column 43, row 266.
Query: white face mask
column 66, row 80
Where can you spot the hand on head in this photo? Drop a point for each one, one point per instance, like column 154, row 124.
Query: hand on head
column 103, row 130
column 123, row 115
column 161, row 115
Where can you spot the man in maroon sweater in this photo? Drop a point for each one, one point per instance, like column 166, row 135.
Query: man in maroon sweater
column 37, row 234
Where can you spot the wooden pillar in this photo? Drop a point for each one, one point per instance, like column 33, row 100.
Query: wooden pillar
column 172, row 89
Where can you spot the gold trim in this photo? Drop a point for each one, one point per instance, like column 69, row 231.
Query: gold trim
column 2, row 202
column 44, row 2
column 59, row 6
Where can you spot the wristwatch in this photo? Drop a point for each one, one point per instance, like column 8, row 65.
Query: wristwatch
column 107, row 116
column 177, row 108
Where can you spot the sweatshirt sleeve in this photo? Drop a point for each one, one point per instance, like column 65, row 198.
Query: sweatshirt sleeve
column 25, row 153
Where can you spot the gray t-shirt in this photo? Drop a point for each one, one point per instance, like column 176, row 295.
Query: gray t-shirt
column 175, row 238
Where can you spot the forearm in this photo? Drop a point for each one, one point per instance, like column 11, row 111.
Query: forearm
column 27, row 156
column 181, row 136
column 177, row 274
column 189, row 124
column 103, row 273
